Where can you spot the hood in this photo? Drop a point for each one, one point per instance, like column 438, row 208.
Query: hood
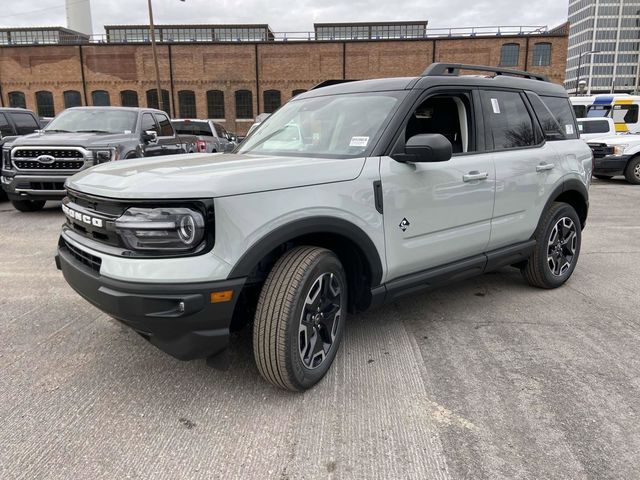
column 70, row 139
column 210, row 175
column 616, row 139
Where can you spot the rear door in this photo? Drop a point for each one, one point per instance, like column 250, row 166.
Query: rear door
column 167, row 139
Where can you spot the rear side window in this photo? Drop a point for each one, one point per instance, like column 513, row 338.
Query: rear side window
column 597, row 126
column 166, row 130
column 548, row 122
column 148, row 123
column 25, row 123
column 5, row 128
column 508, row 123
column 625, row 113
column 563, row 112
column 580, row 111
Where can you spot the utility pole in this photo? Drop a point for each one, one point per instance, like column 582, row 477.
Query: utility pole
column 152, row 29
column 580, row 68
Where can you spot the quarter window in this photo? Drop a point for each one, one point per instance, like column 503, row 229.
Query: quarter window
column 563, row 113
column 549, row 124
column 244, row 104
column 187, row 103
column 44, row 103
column 100, row 98
column 215, row 104
column 17, row 100
column 272, row 100
column 542, row 55
column 507, row 120
column 129, row 98
column 72, row 99
column 510, row 55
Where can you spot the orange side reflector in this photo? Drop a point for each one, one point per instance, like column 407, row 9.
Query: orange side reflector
column 219, row 297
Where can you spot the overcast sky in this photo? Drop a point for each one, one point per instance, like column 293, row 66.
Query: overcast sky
column 293, row 15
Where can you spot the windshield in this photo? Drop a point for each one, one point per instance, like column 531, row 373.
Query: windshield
column 192, row 128
column 336, row 126
column 94, row 121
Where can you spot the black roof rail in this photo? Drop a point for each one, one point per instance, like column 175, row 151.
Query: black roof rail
column 328, row 83
column 453, row 69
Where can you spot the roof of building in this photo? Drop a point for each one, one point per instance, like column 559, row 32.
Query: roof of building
column 365, row 24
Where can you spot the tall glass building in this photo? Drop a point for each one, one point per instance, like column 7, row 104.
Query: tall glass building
column 611, row 30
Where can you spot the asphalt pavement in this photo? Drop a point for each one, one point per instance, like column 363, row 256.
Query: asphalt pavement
column 487, row 379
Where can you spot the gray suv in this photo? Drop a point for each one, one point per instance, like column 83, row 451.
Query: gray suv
column 349, row 196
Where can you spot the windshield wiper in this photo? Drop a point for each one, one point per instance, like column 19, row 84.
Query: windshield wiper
column 92, row 131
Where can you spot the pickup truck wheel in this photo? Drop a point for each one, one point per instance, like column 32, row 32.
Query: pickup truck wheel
column 300, row 318
column 555, row 255
column 28, row 205
column 603, row 177
column 632, row 172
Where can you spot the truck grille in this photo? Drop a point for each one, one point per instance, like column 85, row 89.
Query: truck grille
column 57, row 165
column 83, row 257
column 600, row 150
column 70, row 159
column 55, row 153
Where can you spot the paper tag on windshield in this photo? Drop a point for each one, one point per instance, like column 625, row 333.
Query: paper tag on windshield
column 127, row 132
column 569, row 129
column 496, row 105
column 359, row 141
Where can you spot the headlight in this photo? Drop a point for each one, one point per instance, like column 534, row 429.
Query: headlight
column 619, row 149
column 102, row 155
column 163, row 229
column 6, row 159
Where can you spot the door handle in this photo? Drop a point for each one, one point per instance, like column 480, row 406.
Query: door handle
column 543, row 167
column 475, row 175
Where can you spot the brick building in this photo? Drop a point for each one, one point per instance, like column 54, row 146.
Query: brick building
column 234, row 80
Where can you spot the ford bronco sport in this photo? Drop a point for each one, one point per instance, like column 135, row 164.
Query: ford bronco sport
column 348, row 196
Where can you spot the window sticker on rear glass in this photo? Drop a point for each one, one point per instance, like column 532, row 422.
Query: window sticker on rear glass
column 569, row 129
column 496, row 105
column 359, row 141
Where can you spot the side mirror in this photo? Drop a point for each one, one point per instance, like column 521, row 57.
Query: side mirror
column 150, row 136
column 426, row 147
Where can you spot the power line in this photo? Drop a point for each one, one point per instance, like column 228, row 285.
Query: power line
column 43, row 9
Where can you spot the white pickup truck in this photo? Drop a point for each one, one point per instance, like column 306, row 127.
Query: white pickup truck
column 617, row 155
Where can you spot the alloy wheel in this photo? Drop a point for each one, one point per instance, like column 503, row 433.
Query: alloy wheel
column 561, row 246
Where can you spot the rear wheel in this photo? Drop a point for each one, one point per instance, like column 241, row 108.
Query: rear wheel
column 632, row 172
column 603, row 177
column 300, row 318
column 28, row 205
column 558, row 238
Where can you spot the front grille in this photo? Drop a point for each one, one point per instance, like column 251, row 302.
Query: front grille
column 55, row 153
column 83, row 257
column 46, row 186
column 600, row 150
column 57, row 165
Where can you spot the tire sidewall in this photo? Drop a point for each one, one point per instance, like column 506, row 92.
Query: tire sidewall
column 564, row 211
column 305, row 377
column 630, row 174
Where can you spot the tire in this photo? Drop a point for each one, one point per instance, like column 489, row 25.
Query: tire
column 603, row 177
column 553, row 260
column 632, row 172
column 28, row 205
column 283, row 341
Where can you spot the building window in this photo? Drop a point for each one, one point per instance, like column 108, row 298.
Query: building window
column 129, row 98
column 72, row 99
column 244, row 104
column 215, row 104
column 187, row 104
column 295, row 93
column 17, row 100
column 152, row 100
column 100, row 98
column 509, row 55
column 272, row 101
column 44, row 103
column 542, row 54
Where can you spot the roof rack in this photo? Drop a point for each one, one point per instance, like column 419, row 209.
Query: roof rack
column 328, row 83
column 453, row 69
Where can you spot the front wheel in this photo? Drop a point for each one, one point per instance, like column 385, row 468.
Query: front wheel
column 300, row 318
column 632, row 172
column 558, row 239
column 28, row 205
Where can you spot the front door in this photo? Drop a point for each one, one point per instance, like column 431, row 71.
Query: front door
column 438, row 213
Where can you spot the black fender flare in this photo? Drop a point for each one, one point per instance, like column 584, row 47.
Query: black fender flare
column 569, row 185
column 309, row 226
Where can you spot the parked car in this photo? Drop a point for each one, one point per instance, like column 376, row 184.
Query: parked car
column 617, row 155
column 15, row 122
column 35, row 167
column 349, row 196
column 211, row 137
column 591, row 128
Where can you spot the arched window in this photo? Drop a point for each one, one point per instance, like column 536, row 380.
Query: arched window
column 129, row 98
column 72, row 98
column 187, row 104
column 295, row 93
column 215, row 104
column 100, row 98
column 509, row 55
column 152, row 100
column 542, row 54
column 244, row 104
column 272, row 100
column 17, row 100
column 44, row 103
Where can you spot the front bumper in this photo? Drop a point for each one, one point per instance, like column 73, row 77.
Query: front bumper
column 34, row 187
column 197, row 330
column 611, row 165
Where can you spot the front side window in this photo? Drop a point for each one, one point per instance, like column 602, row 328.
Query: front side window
column 334, row 126
column 94, row 121
column 5, row 128
column 509, row 55
column 148, row 123
column 542, row 55
column 100, row 98
column 17, row 100
column 166, row 130
column 507, row 120
column 44, row 103
column 72, row 99
column 187, row 103
column 24, row 122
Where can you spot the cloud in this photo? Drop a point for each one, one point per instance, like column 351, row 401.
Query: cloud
column 287, row 15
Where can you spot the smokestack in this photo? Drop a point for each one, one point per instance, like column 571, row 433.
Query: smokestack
column 79, row 16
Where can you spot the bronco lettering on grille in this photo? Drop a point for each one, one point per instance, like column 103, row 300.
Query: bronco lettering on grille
column 84, row 218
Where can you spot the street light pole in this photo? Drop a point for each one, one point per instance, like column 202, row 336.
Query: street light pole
column 580, row 67
column 152, row 29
